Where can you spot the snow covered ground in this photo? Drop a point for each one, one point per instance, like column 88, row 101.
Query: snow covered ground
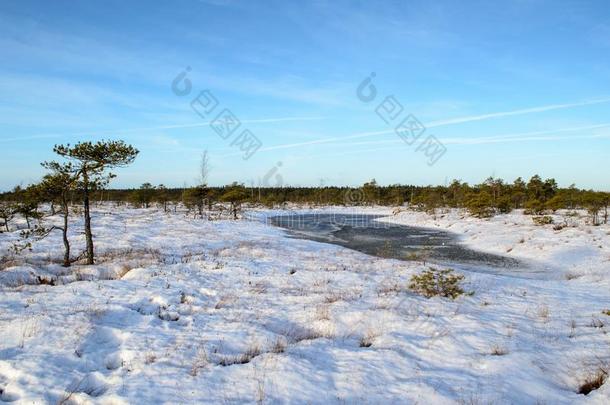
column 183, row 310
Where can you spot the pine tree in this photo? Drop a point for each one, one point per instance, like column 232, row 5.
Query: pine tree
column 90, row 162
column 57, row 186
column 235, row 194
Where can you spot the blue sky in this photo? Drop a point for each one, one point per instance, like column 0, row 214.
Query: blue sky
column 510, row 88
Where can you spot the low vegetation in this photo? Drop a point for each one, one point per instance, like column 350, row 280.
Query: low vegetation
column 537, row 197
column 543, row 220
column 433, row 282
column 593, row 381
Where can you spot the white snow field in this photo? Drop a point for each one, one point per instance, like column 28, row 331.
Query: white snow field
column 183, row 310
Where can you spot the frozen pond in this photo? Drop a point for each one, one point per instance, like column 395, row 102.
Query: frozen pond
column 363, row 233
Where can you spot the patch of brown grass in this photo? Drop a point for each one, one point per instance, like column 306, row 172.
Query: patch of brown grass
column 244, row 358
column 593, row 382
column 498, row 350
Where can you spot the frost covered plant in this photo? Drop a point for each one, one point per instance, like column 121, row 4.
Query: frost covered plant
column 433, row 282
column 199, row 362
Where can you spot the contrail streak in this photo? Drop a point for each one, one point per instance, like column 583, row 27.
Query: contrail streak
column 551, row 107
column 435, row 124
column 162, row 127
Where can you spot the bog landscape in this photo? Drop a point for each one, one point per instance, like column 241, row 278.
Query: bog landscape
column 304, row 203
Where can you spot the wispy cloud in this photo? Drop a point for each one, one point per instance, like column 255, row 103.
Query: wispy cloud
column 521, row 136
column 533, row 110
column 514, row 138
column 532, row 136
column 454, row 121
column 507, row 140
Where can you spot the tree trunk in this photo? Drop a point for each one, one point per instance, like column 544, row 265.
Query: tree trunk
column 64, row 232
column 27, row 220
column 88, row 235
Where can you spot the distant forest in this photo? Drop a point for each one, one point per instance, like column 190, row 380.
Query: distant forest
column 536, row 196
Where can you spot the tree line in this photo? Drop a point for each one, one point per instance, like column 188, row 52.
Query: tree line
column 492, row 196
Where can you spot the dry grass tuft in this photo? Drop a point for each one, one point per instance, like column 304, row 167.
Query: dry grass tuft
column 299, row 334
column 10, row 261
column 544, row 313
column 351, row 295
column 145, row 256
column 571, row 276
column 498, row 350
column 150, row 358
column 244, row 358
column 368, row 338
column 199, row 362
column 279, row 346
column 322, row 313
column 593, row 382
column 225, row 301
column 390, row 287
